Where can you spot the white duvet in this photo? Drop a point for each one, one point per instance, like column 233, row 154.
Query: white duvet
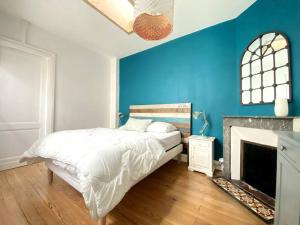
column 107, row 161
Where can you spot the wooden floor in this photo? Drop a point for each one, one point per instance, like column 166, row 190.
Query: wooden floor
column 170, row 196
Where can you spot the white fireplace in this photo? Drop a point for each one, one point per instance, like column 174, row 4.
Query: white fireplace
column 253, row 135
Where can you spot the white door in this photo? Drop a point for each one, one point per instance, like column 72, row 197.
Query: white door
column 26, row 99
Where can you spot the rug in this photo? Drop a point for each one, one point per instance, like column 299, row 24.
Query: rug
column 256, row 206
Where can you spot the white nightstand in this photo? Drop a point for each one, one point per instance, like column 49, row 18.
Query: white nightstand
column 201, row 154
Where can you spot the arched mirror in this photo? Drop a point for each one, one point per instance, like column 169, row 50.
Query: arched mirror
column 265, row 70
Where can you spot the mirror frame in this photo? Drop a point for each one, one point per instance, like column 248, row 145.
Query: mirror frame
column 289, row 82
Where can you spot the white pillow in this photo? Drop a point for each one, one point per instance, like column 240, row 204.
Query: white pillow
column 137, row 124
column 161, row 127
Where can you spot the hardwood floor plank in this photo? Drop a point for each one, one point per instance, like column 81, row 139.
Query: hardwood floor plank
column 170, row 196
column 25, row 198
column 64, row 209
column 9, row 210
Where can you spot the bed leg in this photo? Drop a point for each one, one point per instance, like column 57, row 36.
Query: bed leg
column 102, row 221
column 50, row 176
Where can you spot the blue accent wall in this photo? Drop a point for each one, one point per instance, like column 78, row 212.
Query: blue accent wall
column 203, row 67
column 265, row 16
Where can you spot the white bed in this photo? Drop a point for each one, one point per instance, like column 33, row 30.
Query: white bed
column 170, row 144
column 170, row 141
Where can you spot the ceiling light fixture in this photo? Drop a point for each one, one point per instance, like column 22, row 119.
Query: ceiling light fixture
column 153, row 19
column 149, row 19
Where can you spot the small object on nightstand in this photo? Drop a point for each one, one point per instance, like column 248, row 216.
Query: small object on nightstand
column 197, row 115
column 201, row 154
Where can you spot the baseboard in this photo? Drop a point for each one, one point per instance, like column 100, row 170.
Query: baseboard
column 183, row 158
column 10, row 163
column 218, row 165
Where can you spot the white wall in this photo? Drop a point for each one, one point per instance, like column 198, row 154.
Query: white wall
column 82, row 94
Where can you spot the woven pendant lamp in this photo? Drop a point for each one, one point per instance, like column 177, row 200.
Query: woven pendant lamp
column 153, row 18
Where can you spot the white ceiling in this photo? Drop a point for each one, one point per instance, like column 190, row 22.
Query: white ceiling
column 76, row 21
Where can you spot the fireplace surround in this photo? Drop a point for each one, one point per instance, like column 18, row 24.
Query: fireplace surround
column 264, row 123
column 250, row 157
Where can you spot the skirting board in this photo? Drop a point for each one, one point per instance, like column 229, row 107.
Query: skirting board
column 10, row 163
column 218, row 165
column 183, row 158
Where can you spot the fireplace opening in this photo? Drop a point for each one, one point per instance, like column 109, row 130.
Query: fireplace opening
column 258, row 167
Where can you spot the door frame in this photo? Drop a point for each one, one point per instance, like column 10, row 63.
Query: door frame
column 47, row 88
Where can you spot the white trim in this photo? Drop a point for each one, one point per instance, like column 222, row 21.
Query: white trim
column 25, row 27
column 254, row 135
column 218, row 165
column 50, row 93
column 10, row 43
column 19, row 126
column 183, row 158
column 47, row 111
column 114, row 92
column 296, row 125
column 10, row 163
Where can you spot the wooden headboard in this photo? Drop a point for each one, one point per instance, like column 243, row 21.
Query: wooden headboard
column 177, row 114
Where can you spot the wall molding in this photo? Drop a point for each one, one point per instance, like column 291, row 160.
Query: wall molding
column 184, row 158
column 10, row 163
column 253, row 135
column 114, row 93
column 25, row 28
column 45, row 122
column 48, row 85
column 218, row 165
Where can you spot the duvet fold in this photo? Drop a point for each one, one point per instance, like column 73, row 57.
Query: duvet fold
column 107, row 162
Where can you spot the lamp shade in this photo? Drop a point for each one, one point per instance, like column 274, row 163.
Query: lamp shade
column 281, row 107
column 153, row 18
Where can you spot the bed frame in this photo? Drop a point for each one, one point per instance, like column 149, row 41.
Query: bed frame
column 177, row 114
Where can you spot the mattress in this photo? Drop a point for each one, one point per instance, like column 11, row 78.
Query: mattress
column 168, row 140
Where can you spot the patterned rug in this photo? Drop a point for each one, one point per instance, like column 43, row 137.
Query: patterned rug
column 257, row 207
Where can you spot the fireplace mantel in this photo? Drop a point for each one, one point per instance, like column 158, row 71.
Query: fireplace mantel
column 258, row 122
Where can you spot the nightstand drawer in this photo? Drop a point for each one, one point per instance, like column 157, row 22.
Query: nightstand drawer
column 202, row 144
column 198, row 148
